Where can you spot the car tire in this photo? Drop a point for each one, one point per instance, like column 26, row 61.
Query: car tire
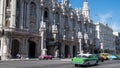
column 102, row 60
column 96, row 63
column 76, row 65
column 88, row 64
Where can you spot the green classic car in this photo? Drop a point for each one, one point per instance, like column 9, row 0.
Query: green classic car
column 85, row 59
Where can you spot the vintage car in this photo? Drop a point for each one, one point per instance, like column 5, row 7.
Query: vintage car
column 45, row 57
column 99, row 57
column 85, row 59
column 104, row 55
column 113, row 57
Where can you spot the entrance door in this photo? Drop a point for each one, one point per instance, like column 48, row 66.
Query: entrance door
column 32, row 48
column 14, row 48
column 66, row 51
column 74, row 51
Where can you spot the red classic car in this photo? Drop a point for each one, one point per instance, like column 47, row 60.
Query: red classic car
column 45, row 57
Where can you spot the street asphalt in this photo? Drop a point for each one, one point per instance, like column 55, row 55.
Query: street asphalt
column 55, row 63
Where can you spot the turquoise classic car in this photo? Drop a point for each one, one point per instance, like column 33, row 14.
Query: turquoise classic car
column 85, row 59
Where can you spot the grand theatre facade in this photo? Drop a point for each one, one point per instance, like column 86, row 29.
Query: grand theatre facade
column 37, row 27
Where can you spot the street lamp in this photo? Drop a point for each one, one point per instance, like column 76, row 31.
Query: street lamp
column 80, row 38
column 42, row 30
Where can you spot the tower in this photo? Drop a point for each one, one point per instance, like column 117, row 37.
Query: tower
column 85, row 10
column 66, row 2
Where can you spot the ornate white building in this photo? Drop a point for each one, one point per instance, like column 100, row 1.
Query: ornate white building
column 117, row 42
column 104, row 37
column 37, row 27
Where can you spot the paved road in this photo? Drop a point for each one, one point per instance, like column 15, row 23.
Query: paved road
column 54, row 64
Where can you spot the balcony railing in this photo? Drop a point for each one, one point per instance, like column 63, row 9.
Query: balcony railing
column 18, row 30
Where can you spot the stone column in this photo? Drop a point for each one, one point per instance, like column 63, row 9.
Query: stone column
column 1, row 12
column 25, row 48
column 43, row 45
column 38, row 48
column 4, row 48
column 42, row 33
column 28, row 15
column 21, row 13
column 80, row 46
column 13, row 14
column 22, row 48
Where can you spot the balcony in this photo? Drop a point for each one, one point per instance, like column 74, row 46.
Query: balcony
column 19, row 31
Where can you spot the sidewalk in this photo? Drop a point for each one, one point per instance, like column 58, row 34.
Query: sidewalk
column 19, row 59
column 34, row 59
column 66, row 59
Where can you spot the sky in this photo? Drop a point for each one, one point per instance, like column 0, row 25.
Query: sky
column 105, row 11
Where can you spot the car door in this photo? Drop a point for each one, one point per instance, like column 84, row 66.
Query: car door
column 92, row 59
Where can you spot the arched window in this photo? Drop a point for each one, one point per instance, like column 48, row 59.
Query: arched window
column 46, row 14
column 18, row 5
column 73, row 23
column 57, row 18
column 33, row 16
column 66, row 21
column 32, row 9
column 32, row 12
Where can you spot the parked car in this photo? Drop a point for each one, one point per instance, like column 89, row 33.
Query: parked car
column 104, row 55
column 118, row 56
column 85, row 59
column 99, row 57
column 112, row 57
column 45, row 57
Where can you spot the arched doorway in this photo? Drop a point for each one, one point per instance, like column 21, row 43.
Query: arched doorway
column 32, row 48
column 14, row 48
column 66, row 51
column 74, row 51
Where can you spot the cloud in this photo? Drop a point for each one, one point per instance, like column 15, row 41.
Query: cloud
column 105, row 17
column 115, row 27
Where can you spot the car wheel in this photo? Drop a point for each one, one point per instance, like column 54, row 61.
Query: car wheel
column 76, row 65
column 88, row 64
column 40, row 59
column 96, row 63
column 102, row 60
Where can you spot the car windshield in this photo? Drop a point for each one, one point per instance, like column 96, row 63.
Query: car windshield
column 82, row 56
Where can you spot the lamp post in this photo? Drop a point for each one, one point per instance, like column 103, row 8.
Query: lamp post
column 80, row 38
column 42, row 31
column 86, row 39
column 43, row 47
